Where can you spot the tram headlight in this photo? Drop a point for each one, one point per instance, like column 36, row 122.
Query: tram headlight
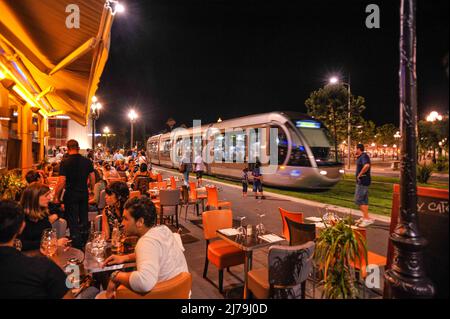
column 295, row 173
column 323, row 173
column 341, row 171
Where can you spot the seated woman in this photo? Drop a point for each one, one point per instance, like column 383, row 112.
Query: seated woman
column 35, row 200
column 117, row 194
column 100, row 184
column 121, row 166
column 109, row 171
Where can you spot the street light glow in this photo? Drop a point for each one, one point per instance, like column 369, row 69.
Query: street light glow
column 132, row 115
column 433, row 116
column 106, row 130
column 120, row 8
column 334, row 80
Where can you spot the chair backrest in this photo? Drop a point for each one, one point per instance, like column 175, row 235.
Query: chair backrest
column 300, row 233
column 153, row 185
column 295, row 216
column 102, row 200
column 214, row 220
column 361, row 236
column 141, row 184
column 173, row 183
column 169, row 197
column 184, row 194
column 52, row 180
column 213, row 196
column 159, row 178
column 179, row 287
column 134, row 194
column 289, row 266
column 162, row 185
column 192, row 190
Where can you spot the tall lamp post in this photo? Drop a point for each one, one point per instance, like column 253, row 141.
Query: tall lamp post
column 106, row 132
column 335, row 80
column 95, row 113
column 407, row 278
column 132, row 115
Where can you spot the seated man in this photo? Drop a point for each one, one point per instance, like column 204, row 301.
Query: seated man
column 22, row 276
column 158, row 254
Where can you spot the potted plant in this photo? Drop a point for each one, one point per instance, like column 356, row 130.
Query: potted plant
column 11, row 186
column 338, row 249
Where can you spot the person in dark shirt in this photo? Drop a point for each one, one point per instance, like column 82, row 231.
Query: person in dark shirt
column 257, row 180
column 363, row 181
column 73, row 176
column 35, row 203
column 21, row 276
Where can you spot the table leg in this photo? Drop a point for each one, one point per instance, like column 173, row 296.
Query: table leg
column 247, row 268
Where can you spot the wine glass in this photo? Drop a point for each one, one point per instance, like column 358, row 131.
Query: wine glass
column 260, row 229
column 98, row 246
column 241, row 229
column 49, row 242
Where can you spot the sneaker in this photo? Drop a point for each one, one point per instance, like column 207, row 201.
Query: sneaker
column 359, row 220
column 366, row 222
column 263, row 197
column 256, row 197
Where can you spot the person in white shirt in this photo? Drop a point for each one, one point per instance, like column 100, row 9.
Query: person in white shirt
column 159, row 252
column 142, row 159
column 199, row 169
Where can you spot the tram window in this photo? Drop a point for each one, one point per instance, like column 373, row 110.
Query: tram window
column 240, row 143
column 218, row 147
column 166, row 146
column 298, row 157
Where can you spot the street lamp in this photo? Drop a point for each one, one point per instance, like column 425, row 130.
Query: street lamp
column 434, row 116
column 397, row 137
column 132, row 115
column 96, row 106
column 335, row 80
column 106, row 132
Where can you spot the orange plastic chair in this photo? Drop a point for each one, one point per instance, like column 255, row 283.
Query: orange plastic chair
column 112, row 180
column 152, row 185
column 201, row 197
column 372, row 258
column 52, row 180
column 179, row 287
column 219, row 252
column 213, row 199
column 134, row 194
column 159, row 178
column 295, row 216
column 173, row 183
column 162, row 185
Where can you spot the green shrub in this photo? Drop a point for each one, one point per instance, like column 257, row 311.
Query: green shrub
column 11, row 185
column 441, row 165
column 424, row 173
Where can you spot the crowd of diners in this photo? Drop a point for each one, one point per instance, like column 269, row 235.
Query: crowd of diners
column 60, row 196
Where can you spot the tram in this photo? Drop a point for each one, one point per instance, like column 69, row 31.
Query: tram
column 305, row 153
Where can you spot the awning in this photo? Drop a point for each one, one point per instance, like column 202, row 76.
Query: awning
column 60, row 67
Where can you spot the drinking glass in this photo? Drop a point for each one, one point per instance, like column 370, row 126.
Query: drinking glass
column 98, row 246
column 260, row 229
column 49, row 242
column 242, row 231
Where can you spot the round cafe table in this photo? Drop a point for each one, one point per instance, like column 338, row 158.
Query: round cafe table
column 61, row 258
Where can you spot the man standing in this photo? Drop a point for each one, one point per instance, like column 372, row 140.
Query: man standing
column 73, row 176
column 363, row 181
column 199, row 169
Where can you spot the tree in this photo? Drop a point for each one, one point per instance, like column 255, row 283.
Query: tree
column 366, row 132
column 431, row 134
column 330, row 105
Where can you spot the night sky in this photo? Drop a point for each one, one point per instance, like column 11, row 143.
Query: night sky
column 222, row 58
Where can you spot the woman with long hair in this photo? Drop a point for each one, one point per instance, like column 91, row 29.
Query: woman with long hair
column 117, row 194
column 100, row 184
column 35, row 199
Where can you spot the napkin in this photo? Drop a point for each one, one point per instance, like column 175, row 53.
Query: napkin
column 320, row 225
column 314, row 219
column 271, row 238
column 229, row 231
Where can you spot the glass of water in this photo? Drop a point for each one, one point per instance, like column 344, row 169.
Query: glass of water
column 98, row 246
column 242, row 231
column 49, row 242
column 260, row 229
